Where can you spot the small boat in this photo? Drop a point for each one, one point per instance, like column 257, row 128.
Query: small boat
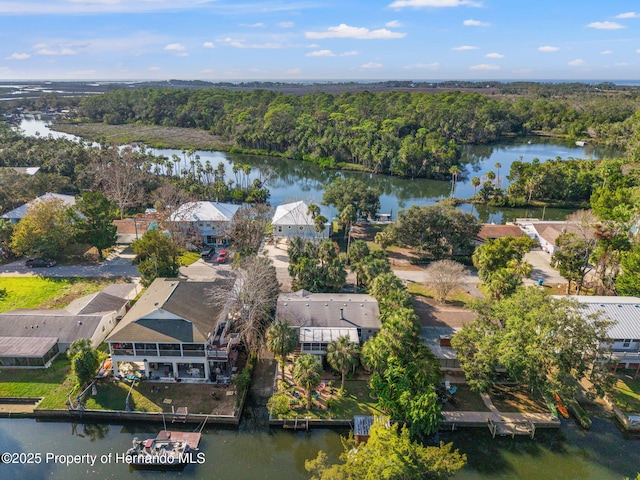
column 580, row 143
column 168, row 450
column 561, row 408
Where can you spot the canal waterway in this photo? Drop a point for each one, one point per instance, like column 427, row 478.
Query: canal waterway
column 291, row 180
column 254, row 451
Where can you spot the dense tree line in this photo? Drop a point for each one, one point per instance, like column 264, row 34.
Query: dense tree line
column 413, row 134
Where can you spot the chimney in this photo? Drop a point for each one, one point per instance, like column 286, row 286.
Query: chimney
column 342, row 314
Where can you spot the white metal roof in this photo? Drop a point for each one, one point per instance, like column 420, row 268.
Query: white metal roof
column 292, row 214
column 204, row 212
column 624, row 311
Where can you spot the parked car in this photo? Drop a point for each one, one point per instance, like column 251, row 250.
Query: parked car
column 40, row 262
column 208, row 253
column 223, row 256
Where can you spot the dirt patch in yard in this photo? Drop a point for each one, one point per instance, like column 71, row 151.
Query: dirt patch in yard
column 517, row 399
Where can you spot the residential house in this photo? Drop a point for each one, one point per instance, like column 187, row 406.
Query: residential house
column 130, row 229
column 34, row 337
column 17, row 214
column 547, row 232
column 205, row 222
column 293, row 220
column 438, row 324
column 624, row 333
column 321, row 318
column 173, row 334
column 490, row 231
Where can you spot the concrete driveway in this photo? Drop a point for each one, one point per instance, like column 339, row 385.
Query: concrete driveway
column 541, row 263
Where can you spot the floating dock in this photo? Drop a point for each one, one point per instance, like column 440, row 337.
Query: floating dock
column 191, row 438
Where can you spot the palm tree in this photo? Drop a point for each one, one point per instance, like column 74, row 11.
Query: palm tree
column 342, row 355
column 454, row 170
column 475, row 181
column 307, row 373
column 281, row 341
column 490, row 175
column 498, row 165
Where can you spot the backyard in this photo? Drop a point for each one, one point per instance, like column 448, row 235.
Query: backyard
column 517, row 399
column 159, row 397
column 627, row 391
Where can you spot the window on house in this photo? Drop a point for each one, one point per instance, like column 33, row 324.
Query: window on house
column 626, row 343
column 280, row 229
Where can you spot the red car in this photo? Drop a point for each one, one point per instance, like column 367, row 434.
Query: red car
column 223, row 256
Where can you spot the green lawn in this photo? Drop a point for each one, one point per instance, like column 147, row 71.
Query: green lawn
column 113, row 395
column 458, row 297
column 187, row 258
column 355, row 401
column 53, row 383
column 627, row 391
column 34, row 292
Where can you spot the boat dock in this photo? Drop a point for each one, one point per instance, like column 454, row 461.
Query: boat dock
column 191, row 438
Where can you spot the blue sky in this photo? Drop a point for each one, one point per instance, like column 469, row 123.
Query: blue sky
column 220, row 40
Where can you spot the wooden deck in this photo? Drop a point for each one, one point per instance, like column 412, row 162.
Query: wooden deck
column 192, row 438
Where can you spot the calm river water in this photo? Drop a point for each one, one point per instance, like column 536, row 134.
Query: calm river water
column 293, row 180
column 256, row 452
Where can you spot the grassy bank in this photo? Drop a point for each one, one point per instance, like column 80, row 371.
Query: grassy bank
column 39, row 292
column 53, row 383
column 151, row 135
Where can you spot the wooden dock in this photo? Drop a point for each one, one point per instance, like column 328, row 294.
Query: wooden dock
column 297, row 424
column 192, row 438
column 511, row 428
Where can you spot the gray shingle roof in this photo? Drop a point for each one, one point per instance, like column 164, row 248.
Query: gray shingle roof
column 171, row 310
column 304, row 309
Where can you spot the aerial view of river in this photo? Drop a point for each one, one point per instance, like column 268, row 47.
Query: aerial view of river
column 254, row 451
column 291, row 180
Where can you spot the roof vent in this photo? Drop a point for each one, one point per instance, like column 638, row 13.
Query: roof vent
column 285, row 304
column 155, row 304
column 307, row 304
column 79, row 322
column 326, row 305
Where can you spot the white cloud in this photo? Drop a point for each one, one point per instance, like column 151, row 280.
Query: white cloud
column 361, row 33
column 56, row 51
column 393, row 24
column 349, row 54
column 462, row 48
column 484, row 66
column 241, row 44
column 153, row 69
column 475, row 23
column 252, row 25
column 18, row 56
column 372, row 65
column 548, row 48
column 606, row 52
column 576, row 63
column 321, row 53
column 208, row 45
column 433, row 3
column 638, row 50
column 622, row 64
column 293, row 71
column 428, row 66
column 285, row 24
column 607, row 25
column 175, row 47
column 628, row 15
column 494, row 55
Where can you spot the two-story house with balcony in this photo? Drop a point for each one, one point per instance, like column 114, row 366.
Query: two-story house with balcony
column 205, row 222
column 173, row 333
